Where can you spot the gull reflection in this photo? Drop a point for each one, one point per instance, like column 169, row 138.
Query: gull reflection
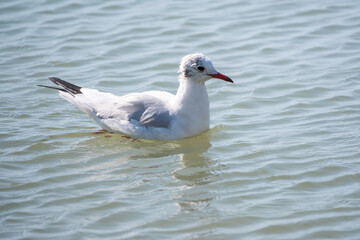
column 196, row 171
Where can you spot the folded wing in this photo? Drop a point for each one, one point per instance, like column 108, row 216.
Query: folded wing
column 142, row 108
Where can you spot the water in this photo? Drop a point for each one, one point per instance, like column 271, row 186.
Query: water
column 281, row 160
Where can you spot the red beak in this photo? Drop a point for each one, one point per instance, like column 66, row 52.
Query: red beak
column 222, row 77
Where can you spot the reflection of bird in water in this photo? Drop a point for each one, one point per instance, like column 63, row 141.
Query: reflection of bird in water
column 196, row 172
column 190, row 178
column 195, row 163
column 154, row 115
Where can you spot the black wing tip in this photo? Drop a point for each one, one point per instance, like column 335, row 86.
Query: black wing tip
column 68, row 87
column 60, row 89
column 54, row 79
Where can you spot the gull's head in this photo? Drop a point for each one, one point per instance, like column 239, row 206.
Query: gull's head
column 198, row 67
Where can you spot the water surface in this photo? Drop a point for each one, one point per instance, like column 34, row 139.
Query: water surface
column 281, row 160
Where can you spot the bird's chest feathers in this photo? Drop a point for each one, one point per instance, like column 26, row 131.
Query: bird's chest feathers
column 192, row 107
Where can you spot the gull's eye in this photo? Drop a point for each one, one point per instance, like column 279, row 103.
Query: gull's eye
column 201, row 69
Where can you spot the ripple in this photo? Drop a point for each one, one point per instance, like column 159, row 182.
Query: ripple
column 280, row 159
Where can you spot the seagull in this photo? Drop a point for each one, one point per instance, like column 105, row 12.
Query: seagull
column 154, row 115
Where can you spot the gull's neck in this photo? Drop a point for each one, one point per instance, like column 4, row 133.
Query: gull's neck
column 190, row 92
column 192, row 104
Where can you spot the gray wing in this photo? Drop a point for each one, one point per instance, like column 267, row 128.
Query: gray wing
column 148, row 110
column 155, row 117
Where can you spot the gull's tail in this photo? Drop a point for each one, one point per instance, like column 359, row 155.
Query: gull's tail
column 75, row 96
column 64, row 86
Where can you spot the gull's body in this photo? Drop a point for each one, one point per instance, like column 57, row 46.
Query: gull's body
column 154, row 115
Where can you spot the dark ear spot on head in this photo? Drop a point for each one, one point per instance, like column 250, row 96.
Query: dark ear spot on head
column 198, row 61
column 186, row 72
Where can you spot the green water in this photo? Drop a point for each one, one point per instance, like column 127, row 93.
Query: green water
column 281, row 160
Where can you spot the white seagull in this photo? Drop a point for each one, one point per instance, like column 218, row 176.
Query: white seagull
column 155, row 115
